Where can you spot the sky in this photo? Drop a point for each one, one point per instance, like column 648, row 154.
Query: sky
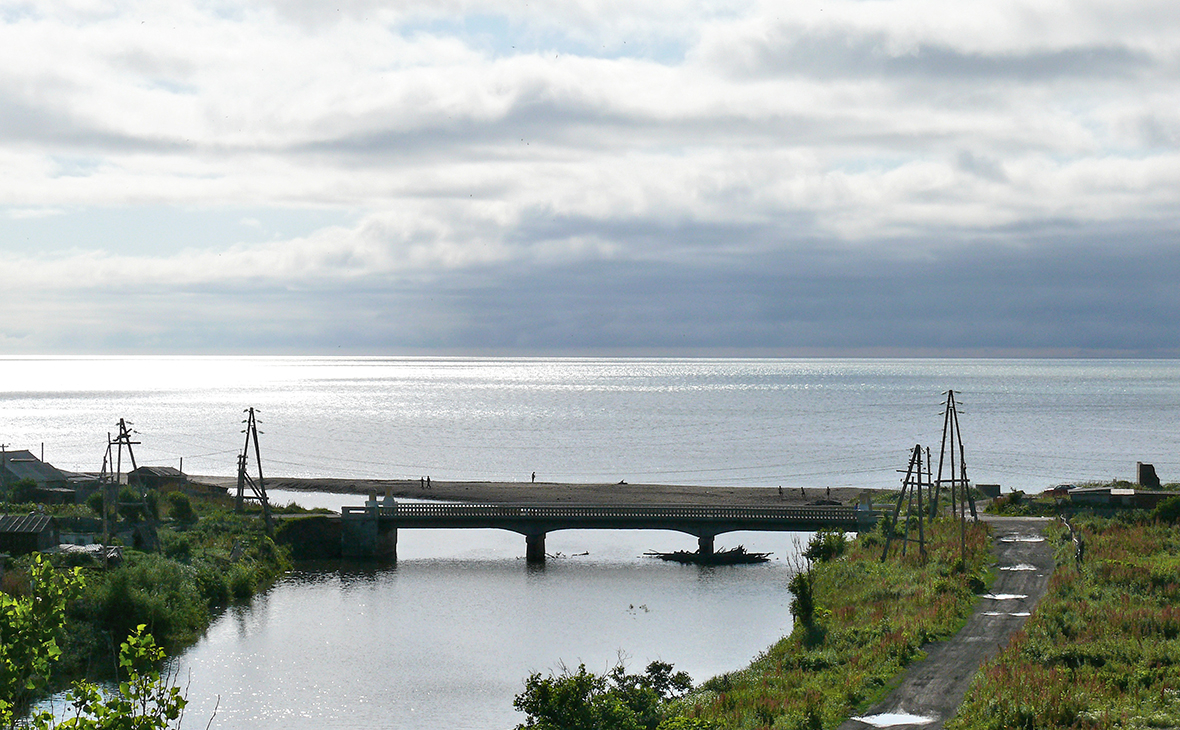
column 591, row 177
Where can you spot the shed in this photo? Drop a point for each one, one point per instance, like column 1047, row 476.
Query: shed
column 20, row 534
column 160, row 478
column 18, row 465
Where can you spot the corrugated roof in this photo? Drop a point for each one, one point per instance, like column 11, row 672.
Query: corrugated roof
column 160, row 471
column 25, row 523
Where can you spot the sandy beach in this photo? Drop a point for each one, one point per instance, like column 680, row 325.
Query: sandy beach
column 554, row 492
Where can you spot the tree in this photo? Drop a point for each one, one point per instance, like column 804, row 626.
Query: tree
column 22, row 491
column 145, row 701
column 613, row 701
column 29, row 627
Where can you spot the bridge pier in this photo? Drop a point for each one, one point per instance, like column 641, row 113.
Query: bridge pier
column 705, row 545
column 387, row 544
column 534, row 548
column 364, row 536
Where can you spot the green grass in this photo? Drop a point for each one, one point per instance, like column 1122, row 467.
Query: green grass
column 201, row 567
column 872, row 618
column 1102, row 648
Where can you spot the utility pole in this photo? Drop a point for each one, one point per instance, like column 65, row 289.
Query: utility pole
column 911, row 491
column 952, row 447
column 4, row 469
column 257, row 488
column 111, row 481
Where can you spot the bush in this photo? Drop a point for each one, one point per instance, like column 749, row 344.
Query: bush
column 613, row 701
column 212, row 585
column 803, row 604
column 826, row 545
column 241, row 581
column 152, row 590
column 22, row 491
column 177, row 547
column 131, row 505
column 1168, row 511
column 94, row 502
column 180, row 508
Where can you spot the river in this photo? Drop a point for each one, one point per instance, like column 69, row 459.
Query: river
column 447, row 637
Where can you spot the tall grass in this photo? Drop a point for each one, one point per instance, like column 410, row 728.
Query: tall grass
column 871, row 619
column 1102, row 648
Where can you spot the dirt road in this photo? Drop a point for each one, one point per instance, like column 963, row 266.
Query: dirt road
column 933, row 688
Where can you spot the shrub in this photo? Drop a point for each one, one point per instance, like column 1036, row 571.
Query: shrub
column 131, row 507
column 826, row 545
column 615, row 700
column 177, row 547
column 212, row 585
column 180, row 508
column 1168, row 511
column 152, row 590
column 241, row 581
column 94, row 502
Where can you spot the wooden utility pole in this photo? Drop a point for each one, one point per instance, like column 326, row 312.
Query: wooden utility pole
column 952, row 448
column 257, row 488
column 111, row 481
column 911, row 491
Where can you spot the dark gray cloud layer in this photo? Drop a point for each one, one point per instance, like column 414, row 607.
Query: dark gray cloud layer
column 1088, row 294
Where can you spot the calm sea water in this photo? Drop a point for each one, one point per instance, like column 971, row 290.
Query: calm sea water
column 447, row 637
column 1027, row 424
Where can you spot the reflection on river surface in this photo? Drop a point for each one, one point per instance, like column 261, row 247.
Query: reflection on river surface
column 447, row 636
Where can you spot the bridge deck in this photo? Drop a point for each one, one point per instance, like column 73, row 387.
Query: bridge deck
column 373, row 528
column 547, row 517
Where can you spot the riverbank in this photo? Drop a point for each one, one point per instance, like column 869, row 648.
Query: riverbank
column 556, row 492
column 865, row 620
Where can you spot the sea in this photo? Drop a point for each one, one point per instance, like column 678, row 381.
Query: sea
column 447, row 636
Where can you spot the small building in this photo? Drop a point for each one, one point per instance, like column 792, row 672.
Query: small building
column 18, row 465
column 1119, row 497
column 991, row 491
column 160, row 478
column 27, row 534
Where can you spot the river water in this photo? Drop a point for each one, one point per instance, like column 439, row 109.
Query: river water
column 447, row 637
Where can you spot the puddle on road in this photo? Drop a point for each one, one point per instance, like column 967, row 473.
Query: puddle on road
column 1005, row 596
column 893, row 719
column 1019, row 566
column 1022, row 538
column 1005, row 613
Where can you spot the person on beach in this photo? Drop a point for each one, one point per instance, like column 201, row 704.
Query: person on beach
column 534, row 477
column 428, row 482
column 422, row 482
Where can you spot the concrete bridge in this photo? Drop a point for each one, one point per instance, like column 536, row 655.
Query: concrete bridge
column 371, row 531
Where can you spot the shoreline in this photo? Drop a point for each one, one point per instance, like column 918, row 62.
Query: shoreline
column 558, row 492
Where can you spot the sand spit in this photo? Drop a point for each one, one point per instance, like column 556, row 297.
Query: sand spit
column 551, row 492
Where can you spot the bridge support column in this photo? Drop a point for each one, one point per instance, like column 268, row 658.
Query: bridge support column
column 387, row 543
column 534, row 548
column 358, row 538
column 705, row 545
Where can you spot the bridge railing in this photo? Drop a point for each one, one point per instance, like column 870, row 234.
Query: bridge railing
column 638, row 512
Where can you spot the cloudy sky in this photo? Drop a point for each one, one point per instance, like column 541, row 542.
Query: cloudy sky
column 814, row 177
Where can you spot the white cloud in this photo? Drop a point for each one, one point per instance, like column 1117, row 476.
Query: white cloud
column 686, row 133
